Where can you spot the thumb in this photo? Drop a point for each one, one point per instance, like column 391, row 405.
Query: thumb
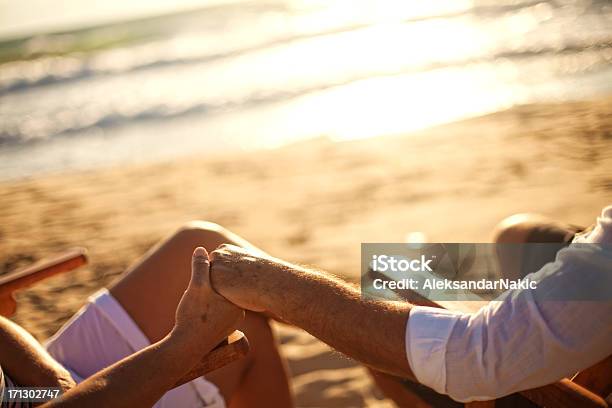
column 200, row 266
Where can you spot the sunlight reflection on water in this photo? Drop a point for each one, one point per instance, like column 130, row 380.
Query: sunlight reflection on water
column 276, row 72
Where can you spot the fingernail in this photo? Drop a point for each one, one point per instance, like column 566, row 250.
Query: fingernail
column 200, row 251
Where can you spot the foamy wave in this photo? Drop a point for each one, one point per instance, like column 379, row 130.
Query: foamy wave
column 196, row 48
column 204, row 73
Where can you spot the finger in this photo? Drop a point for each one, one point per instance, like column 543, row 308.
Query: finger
column 200, row 266
column 220, row 252
column 228, row 248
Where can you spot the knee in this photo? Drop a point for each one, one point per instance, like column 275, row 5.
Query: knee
column 516, row 228
column 198, row 227
column 205, row 233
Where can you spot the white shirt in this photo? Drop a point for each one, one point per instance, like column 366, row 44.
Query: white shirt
column 525, row 340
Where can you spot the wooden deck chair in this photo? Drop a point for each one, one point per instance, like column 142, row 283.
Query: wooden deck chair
column 588, row 389
column 231, row 349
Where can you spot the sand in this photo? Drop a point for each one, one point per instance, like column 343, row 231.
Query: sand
column 314, row 203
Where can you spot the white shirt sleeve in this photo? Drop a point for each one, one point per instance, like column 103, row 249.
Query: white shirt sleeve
column 426, row 338
column 525, row 340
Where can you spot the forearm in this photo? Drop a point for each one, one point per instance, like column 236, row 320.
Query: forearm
column 372, row 332
column 136, row 381
column 26, row 361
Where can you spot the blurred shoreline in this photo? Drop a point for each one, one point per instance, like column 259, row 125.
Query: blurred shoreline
column 255, row 75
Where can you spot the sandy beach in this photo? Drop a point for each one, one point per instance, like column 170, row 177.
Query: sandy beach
column 314, row 203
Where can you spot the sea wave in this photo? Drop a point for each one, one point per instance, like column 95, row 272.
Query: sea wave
column 56, row 70
column 210, row 71
column 34, row 128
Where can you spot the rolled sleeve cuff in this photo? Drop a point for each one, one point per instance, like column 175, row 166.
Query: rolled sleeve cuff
column 427, row 334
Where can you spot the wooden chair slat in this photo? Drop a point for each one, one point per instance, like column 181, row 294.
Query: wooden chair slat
column 564, row 394
column 231, row 349
column 597, row 378
column 27, row 276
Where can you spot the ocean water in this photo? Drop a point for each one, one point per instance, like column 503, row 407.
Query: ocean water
column 248, row 75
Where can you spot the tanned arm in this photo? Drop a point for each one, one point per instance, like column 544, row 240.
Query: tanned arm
column 203, row 319
column 26, row 362
column 372, row 332
column 136, row 381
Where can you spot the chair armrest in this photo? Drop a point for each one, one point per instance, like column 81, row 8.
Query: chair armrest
column 233, row 348
column 565, row 394
column 29, row 275
column 562, row 394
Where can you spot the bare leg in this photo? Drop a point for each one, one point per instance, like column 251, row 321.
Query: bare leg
column 151, row 289
column 515, row 257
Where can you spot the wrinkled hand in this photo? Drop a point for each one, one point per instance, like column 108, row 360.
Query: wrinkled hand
column 203, row 317
column 238, row 275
